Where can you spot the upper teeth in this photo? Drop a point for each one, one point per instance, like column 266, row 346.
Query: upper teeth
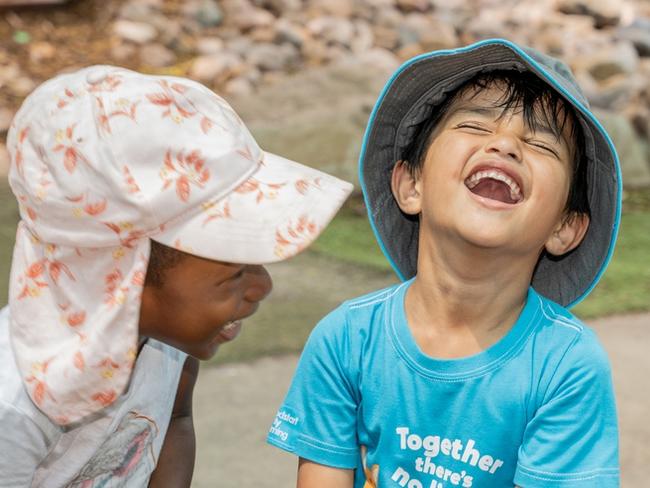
column 231, row 325
column 515, row 191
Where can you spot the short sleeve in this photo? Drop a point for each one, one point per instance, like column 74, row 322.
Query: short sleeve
column 572, row 439
column 317, row 420
column 23, row 446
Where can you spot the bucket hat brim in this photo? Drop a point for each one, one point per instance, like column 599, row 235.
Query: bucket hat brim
column 409, row 98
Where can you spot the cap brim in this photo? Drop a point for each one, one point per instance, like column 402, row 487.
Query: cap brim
column 274, row 214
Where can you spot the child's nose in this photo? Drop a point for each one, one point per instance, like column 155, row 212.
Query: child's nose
column 259, row 283
column 506, row 144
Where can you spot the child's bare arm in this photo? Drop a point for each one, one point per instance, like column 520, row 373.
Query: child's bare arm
column 314, row 475
column 176, row 460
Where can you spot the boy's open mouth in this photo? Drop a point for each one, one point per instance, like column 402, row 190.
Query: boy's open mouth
column 495, row 185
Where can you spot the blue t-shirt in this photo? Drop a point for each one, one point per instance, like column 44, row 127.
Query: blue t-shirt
column 536, row 409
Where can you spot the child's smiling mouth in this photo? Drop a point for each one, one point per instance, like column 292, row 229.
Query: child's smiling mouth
column 494, row 184
column 229, row 331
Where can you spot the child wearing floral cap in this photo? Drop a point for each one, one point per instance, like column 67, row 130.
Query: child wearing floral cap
column 147, row 211
column 495, row 194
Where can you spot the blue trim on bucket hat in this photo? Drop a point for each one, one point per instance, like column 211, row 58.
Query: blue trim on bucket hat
column 535, row 66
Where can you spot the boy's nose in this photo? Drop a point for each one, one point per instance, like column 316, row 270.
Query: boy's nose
column 506, row 144
column 259, row 283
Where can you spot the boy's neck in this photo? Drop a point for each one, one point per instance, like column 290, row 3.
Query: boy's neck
column 464, row 300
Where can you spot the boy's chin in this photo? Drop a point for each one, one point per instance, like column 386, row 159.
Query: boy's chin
column 202, row 353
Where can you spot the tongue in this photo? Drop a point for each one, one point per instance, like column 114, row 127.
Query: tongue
column 494, row 190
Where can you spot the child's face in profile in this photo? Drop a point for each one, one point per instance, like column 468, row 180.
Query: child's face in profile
column 200, row 303
column 490, row 179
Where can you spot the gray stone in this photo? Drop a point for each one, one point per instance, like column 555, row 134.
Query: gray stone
column 209, row 45
column 332, row 30
column 208, row 13
column 272, row 57
column 287, row 31
column 157, row 55
column 239, row 86
column 253, row 18
column 336, row 8
column 240, row 45
column 604, row 12
column 429, row 32
column 170, row 33
column 122, row 51
column 638, row 33
column 139, row 11
column 216, row 68
column 136, row 32
column 617, row 91
column 414, row 5
column 632, row 151
column 280, row 7
column 363, row 38
column 618, row 58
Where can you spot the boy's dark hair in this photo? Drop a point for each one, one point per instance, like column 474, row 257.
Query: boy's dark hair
column 161, row 258
column 541, row 105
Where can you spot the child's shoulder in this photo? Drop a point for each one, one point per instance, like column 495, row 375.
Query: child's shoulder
column 565, row 335
column 362, row 312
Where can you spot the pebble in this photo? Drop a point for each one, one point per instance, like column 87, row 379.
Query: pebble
column 272, row 57
column 157, row 55
column 216, row 68
column 136, row 32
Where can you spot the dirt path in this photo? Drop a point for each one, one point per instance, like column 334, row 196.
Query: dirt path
column 236, row 403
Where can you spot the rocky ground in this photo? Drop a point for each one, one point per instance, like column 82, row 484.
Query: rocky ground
column 243, row 48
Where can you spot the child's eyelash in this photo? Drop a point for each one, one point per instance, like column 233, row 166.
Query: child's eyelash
column 469, row 125
column 544, row 147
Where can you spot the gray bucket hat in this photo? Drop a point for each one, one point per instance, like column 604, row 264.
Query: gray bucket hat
column 410, row 97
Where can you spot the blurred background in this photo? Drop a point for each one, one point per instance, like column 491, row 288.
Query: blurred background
column 304, row 75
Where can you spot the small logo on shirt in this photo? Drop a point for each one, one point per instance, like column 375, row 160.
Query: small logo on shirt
column 284, row 422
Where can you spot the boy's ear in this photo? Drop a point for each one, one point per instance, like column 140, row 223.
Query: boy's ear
column 406, row 189
column 568, row 234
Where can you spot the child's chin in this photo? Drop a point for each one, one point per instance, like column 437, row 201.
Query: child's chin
column 203, row 353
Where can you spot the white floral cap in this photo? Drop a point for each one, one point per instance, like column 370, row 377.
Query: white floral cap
column 104, row 159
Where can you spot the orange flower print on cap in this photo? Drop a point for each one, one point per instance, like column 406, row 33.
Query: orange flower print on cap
column 108, row 84
column 216, row 211
column 264, row 190
column 124, row 108
column 294, row 237
column 303, row 186
column 132, row 185
column 18, row 157
column 38, row 383
column 125, row 231
column 71, row 317
column 68, row 96
column 35, row 274
column 89, row 207
column 115, row 295
column 66, row 143
column 184, row 170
